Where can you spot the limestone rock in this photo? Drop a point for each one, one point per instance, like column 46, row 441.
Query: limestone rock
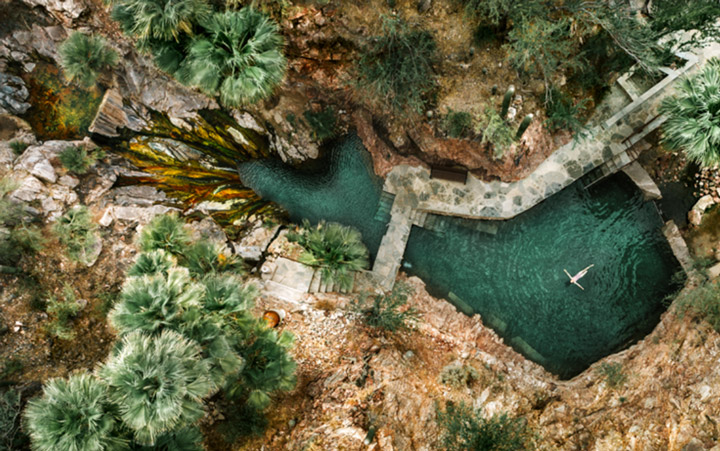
column 714, row 271
column 13, row 94
column 110, row 116
column 696, row 213
column 29, row 189
column 253, row 244
column 67, row 9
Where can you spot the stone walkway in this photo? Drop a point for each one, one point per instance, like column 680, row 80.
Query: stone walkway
column 416, row 194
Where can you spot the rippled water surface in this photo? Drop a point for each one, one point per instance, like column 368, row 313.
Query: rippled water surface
column 511, row 272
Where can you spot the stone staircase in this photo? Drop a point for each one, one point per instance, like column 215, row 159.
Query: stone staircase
column 319, row 285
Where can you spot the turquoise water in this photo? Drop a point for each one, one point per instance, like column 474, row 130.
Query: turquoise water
column 511, row 272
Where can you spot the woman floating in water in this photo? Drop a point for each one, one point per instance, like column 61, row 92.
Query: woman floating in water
column 574, row 279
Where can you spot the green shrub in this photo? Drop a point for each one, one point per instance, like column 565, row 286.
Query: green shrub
column 83, row 57
column 204, row 257
column 152, row 303
column 157, row 383
column 458, row 124
column 10, row 368
column 77, row 160
column 62, row 310
column 337, row 249
column 18, row 147
column 11, row 436
column 692, row 124
column 72, row 413
column 166, row 232
column 17, row 237
column 613, row 374
column 397, row 66
column 703, row 301
column 322, row 123
column 242, row 421
column 227, row 295
column 464, row 430
column 185, row 439
column 151, row 263
column 162, row 20
column 563, row 113
column 458, row 376
column 387, row 311
column 495, row 132
column 239, row 57
column 77, row 232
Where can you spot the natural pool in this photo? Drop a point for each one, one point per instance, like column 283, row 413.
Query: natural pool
column 511, row 272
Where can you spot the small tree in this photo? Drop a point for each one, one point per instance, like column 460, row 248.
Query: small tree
column 83, row 57
column 166, row 232
column 158, row 383
column 336, row 249
column 75, row 414
column 693, row 123
column 239, row 57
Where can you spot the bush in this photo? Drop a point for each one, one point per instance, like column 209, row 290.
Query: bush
column 703, row 301
column 17, row 238
column 692, row 124
column 613, row 374
column 77, row 160
column 458, row 376
column 246, row 70
column 322, row 123
column 338, row 250
column 386, row 311
column 458, row 124
column 205, row 257
column 464, row 430
column 166, row 232
column 227, row 295
column 10, row 404
column 161, row 20
column 495, row 132
column 158, row 383
column 18, row 147
column 396, row 67
column 83, row 57
column 563, row 113
column 77, row 232
column 62, row 310
column 72, row 413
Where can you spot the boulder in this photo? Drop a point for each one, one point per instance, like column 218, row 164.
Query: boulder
column 13, row 94
column 29, row 189
column 696, row 213
column 34, row 161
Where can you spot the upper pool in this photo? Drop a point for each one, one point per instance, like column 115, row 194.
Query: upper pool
column 511, row 272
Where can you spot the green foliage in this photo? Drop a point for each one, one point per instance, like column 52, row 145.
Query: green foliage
column 17, row 237
column 77, row 232
column 458, row 124
column 397, row 67
column 157, row 383
column 205, row 257
column 166, row 232
column 563, row 113
column 226, row 294
column 495, row 132
column 185, row 439
column 152, row 303
column 241, row 421
column 464, row 430
column 669, row 16
column 496, row 12
column 337, row 249
column 322, row 123
column 239, row 57
column 151, row 263
column 613, row 374
column 458, row 376
column 77, row 160
column 10, row 368
column 703, row 301
column 388, row 311
column 10, row 434
column 62, row 310
column 18, row 147
column 73, row 414
column 693, row 123
column 163, row 20
column 83, row 57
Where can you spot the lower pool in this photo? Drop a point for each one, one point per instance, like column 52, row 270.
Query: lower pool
column 510, row 272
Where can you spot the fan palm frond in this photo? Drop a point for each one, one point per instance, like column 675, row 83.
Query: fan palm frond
column 83, row 57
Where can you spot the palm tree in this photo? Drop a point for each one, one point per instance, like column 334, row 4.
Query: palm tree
column 157, row 383
column 152, row 303
column 693, row 123
column 150, row 263
column 73, row 413
column 83, row 57
column 239, row 57
column 165, row 20
column 165, row 232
